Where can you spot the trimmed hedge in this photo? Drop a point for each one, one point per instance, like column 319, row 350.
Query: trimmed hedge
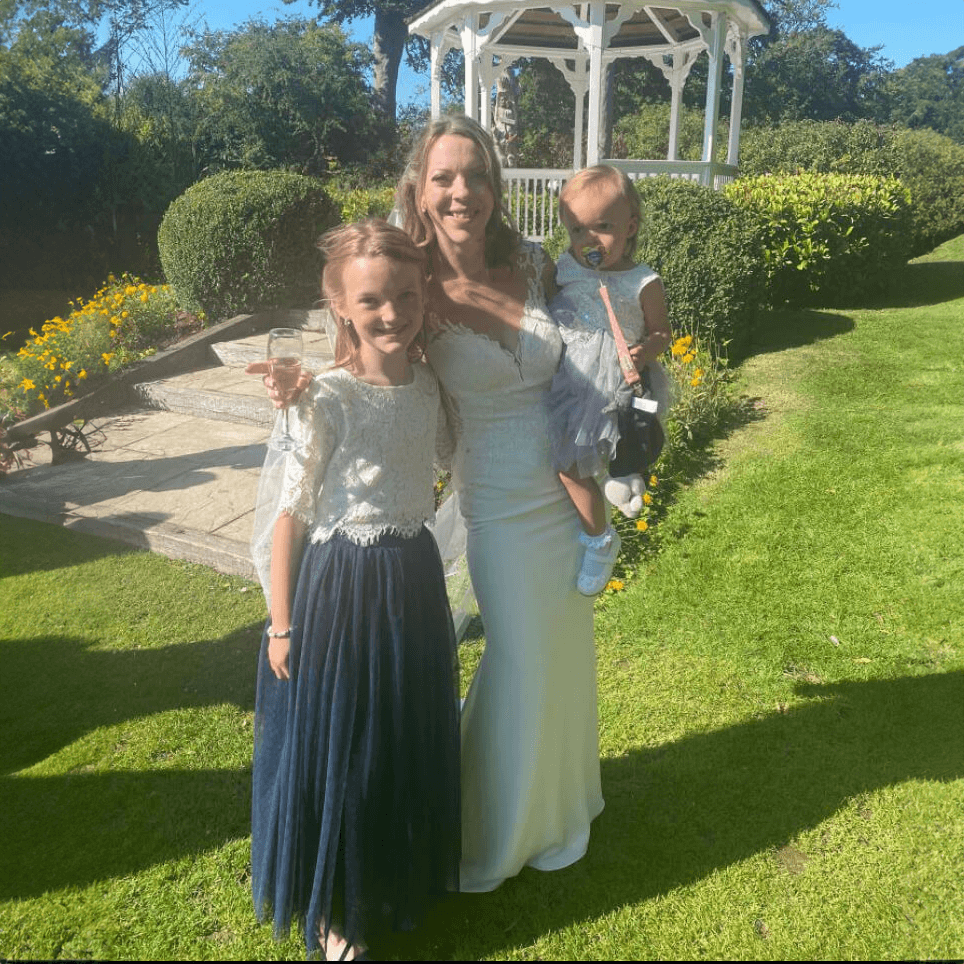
column 827, row 237
column 708, row 252
column 244, row 241
column 931, row 165
column 356, row 203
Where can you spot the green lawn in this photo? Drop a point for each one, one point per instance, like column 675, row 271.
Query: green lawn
column 781, row 699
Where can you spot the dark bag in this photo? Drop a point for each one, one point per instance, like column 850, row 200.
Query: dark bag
column 641, row 436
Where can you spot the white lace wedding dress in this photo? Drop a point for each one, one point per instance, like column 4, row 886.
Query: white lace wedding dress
column 530, row 746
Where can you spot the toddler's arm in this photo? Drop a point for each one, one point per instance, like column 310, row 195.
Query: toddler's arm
column 658, row 334
column 287, row 531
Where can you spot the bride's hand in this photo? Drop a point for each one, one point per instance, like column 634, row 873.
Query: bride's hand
column 279, row 398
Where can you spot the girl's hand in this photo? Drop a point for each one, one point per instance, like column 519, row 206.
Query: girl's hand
column 278, row 649
column 279, row 398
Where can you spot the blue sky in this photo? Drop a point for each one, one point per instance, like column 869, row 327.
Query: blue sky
column 905, row 31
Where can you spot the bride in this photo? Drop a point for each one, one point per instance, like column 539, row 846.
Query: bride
column 530, row 748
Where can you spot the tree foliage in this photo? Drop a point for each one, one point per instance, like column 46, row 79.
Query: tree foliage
column 929, row 92
column 291, row 94
column 390, row 40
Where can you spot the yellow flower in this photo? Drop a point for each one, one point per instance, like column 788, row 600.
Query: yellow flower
column 694, row 382
column 43, row 398
column 125, row 314
column 82, row 373
column 647, row 499
column 615, row 584
column 688, row 357
column 642, row 525
column 652, row 481
column 107, row 356
column 144, row 297
column 27, row 385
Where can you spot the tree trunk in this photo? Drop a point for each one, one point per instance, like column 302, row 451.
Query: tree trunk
column 388, row 45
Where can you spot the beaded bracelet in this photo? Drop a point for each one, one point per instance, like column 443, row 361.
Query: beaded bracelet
column 282, row 635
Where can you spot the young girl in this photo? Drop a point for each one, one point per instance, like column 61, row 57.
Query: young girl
column 356, row 799
column 601, row 212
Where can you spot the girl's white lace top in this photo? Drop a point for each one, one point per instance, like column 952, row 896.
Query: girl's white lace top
column 363, row 466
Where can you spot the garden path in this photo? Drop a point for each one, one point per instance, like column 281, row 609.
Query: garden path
column 178, row 474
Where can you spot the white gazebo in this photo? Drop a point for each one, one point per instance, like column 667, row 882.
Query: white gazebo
column 582, row 40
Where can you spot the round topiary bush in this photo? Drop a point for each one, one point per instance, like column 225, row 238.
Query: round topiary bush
column 243, row 241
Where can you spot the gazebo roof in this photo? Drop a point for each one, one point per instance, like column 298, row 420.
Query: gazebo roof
column 535, row 28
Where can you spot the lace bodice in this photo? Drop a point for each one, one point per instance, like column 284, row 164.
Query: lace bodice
column 498, row 399
column 579, row 306
column 366, row 463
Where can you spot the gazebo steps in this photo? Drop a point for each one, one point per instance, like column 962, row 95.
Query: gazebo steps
column 224, row 392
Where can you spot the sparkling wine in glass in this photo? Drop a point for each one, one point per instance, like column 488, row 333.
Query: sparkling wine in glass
column 284, row 366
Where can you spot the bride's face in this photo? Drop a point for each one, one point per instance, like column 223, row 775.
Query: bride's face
column 457, row 192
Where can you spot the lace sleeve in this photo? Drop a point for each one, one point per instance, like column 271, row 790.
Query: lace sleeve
column 290, row 481
column 304, row 468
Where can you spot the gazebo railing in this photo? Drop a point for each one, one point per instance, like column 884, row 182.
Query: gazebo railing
column 532, row 193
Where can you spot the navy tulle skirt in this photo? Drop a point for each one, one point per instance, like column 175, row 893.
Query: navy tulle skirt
column 355, row 800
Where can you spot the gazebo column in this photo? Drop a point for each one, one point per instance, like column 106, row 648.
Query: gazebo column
column 470, row 45
column 577, row 77
column 715, row 50
column 675, row 105
column 436, row 56
column 594, row 41
column 489, row 73
column 736, row 48
column 579, row 89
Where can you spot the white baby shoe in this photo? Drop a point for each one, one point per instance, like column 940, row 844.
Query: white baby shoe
column 597, row 561
column 626, row 494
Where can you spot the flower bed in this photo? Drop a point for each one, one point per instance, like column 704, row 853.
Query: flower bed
column 126, row 320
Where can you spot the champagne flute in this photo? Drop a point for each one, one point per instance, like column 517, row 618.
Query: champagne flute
column 284, row 366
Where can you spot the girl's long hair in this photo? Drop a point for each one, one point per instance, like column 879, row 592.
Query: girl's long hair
column 370, row 238
column 501, row 237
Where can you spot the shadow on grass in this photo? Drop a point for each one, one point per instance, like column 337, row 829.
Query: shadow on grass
column 55, row 690
column 85, row 826
column 785, row 328
column 677, row 813
column 26, row 546
column 923, row 283
column 674, row 813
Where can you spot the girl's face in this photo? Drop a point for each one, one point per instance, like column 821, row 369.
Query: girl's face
column 457, row 192
column 599, row 218
column 383, row 299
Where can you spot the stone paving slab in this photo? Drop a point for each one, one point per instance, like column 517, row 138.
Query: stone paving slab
column 242, row 351
column 165, row 481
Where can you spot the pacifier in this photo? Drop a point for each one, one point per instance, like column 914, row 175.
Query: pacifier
column 593, row 255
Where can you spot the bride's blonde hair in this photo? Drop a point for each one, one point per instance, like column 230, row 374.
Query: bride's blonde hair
column 370, row 238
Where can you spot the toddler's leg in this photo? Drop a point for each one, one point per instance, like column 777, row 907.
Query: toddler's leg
column 601, row 541
column 586, row 496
